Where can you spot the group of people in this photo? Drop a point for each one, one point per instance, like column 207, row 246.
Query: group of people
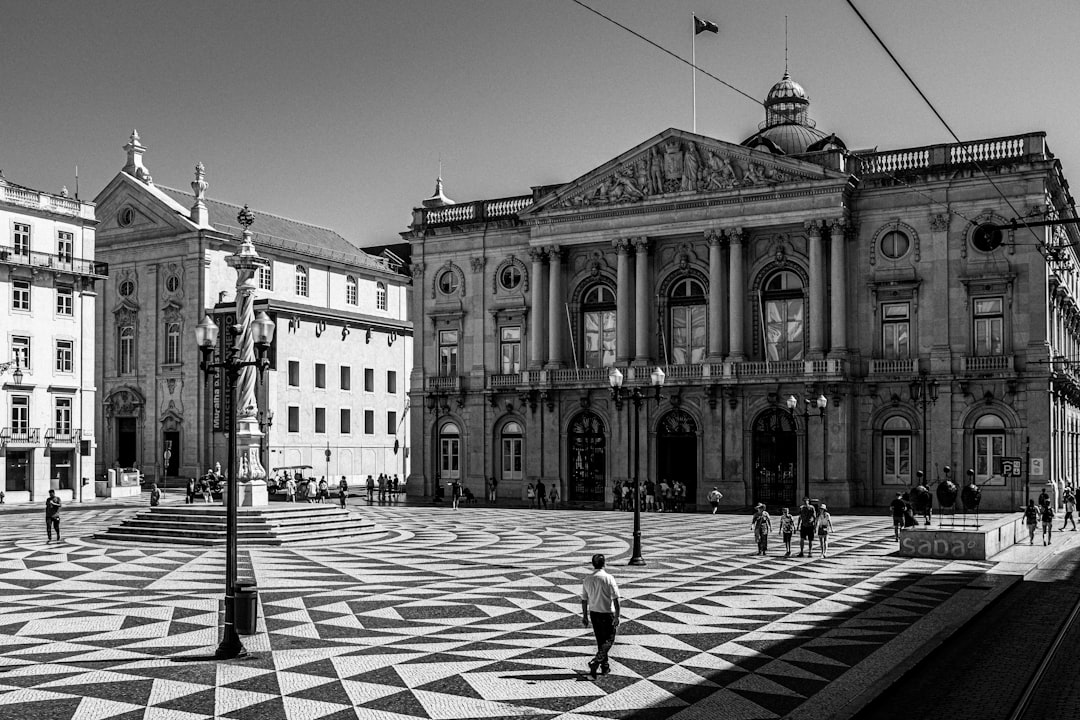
column 1043, row 512
column 385, row 489
column 540, row 495
column 653, row 497
column 202, row 487
column 810, row 522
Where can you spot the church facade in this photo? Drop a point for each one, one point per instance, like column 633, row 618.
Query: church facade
column 828, row 322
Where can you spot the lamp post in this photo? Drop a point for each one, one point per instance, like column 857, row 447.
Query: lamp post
column 924, row 392
column 792, row 405
column 266, row 421
column 620, row 394
column 17, row 375
column 250, row 348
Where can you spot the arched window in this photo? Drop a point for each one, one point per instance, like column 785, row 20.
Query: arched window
column 449, row 452
column 172, row 343
column 989, row 447
column 687, row 327
column 896, row 451
column 782, row 303
column 125, row 358
column 598, row 327
column 301, row 281
column 380, row 296
column 350, row 291
column 511, row 451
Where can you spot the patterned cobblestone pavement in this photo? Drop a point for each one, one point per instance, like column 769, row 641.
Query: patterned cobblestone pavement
column 467, row 614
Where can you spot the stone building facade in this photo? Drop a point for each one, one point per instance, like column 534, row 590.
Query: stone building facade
column 830, row 321
column 342, row 348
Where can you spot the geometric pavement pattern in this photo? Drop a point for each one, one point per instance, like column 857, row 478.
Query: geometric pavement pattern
column 468, row 614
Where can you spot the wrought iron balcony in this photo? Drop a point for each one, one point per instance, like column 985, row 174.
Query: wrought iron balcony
column 62, row 436
column 20, row 436
column 53, row 261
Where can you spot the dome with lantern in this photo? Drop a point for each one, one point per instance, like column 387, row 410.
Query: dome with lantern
column 787, row 128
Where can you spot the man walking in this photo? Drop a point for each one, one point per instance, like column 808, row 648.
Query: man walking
column 343, row 490
column 52, row 515
column 807, row 526
column 541, row 494
column 600, row 606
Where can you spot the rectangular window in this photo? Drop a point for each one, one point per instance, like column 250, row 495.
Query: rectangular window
column 20, row 295
column 65, row 246
column 266, row 278
column 391, row 381
column 448, row 351
column 62, row 417
column 20, row 416
column 369, row 422
column 172, row 343
column 21, row 239
column 688, row 334
column 511, row 458
column 895, row 331
column 351, row 292
column 294, row 418
column 897, row 457
column 320, row 375
column 20, row 351
column 369, row 380
column 65, row 356
column 125, row 358
column 989, row 449
column 301, row 281
column 449, row 448
column 65, row 301
column 599, row 338
column 320, row 420
column 346, row 377
column 380, row 296
column 784, row 329
column 989, row 326
column 510, row 349
column 346, row 421
column 391, row 422
column 294, row 373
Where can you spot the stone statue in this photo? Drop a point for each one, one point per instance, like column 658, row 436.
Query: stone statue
column 691, row 164
column 656, row 172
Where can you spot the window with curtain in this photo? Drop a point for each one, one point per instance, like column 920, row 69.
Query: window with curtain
column 989, row 326
column 895, row 331
column 782, row 304
column 598, row 327
column 687, row 329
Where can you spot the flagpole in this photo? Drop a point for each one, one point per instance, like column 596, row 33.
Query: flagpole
column 693, row 62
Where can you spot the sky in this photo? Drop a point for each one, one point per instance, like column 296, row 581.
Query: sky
column 338, row 113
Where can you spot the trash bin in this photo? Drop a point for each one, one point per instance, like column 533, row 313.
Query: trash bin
column 247, row 607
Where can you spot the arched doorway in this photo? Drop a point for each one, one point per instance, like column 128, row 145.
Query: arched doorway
column 587, row 458
column 776, row 459
column 676, row 451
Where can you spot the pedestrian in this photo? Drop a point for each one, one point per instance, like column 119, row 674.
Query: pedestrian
column 190, row 496
column 616, row 495
column 370, row 489
column 714, row 499
column 807, row 526
column 1031, row 517
column 627, row 497
column 650, row 496
column 787, row 528
column 898, row 508
column 680, row 496
column 824, row 528
column 204, row 488
column 324, row 490
column 290, row 489
column 541, row 494
column 312, row 490
column 1044, row 498
column 1070, row 508
column 382, row 488
column 762, row 525
column 530, row 492
column 553, row 496
column 343, row 490
column 394, row 489
column 600, row 606
column 52, row 515
column 155, row 495
column 455, row 493
column 494, row 489
column 1047, row 522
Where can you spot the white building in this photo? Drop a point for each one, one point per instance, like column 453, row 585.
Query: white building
column 47, row 303
column 342, row 350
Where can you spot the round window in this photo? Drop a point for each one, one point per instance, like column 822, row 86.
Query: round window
column 895, row 244
column 127, row 288
column 510, row 277
column 126, row 216
column 986, row 238
column 172, row 283
column 448, row 282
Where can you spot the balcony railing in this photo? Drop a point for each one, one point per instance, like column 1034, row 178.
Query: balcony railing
column 1031, row 146
column 478, row 211
column 58, row 204
column 987, row 363
column 906, row 366
column 53, row 261
column 62, row 436
column 446, row 383
column 20, row 436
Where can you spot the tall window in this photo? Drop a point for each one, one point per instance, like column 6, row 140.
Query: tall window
column 65, row 356
column 895, row 331
column 369, row 422
column 320, row 420
column 20, row 351
column 266, row 278
column 391, row 381
column 510, row 349
column 511, row 451
column 21, row 239
column 688, row 326
column 449, row 452
column 380, row 296
column 989, row 326
column 391, row 422
column 448, row 348
column 172, row 343
column 20, row 415
column 896, row 452
column 369, row 379
column 65, row 301
column 346, row 377
column 320, row 375
column 294, row 373
column 989, row 449
column 346, row 421
column 294, row 418
column 65, row 246
column 125, row 358
column 598, row 316
column 62, row 417
column 782, row 301
column 350, row 290
column 20, row 295
column 301, row 281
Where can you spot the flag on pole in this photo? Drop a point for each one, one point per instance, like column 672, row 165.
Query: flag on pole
column 701, row 26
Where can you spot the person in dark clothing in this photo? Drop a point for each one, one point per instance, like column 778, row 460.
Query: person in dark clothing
column 807, row 526
column 898, row 507
column 541, row 494
column 52, row 515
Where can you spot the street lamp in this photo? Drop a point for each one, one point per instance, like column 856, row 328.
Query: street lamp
column 250, row 348
column 17, row 376
column 266, row 421
column 924, row 391
column 636, row 397
column 792, row 405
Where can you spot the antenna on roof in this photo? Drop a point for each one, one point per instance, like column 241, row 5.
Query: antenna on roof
column 76, row 182
column 785, row 44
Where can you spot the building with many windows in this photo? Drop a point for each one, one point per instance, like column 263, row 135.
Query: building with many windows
column 830, row 322
column 342, row 349
column 48, row 289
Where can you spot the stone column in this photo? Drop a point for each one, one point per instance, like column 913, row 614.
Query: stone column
column 643, row 292
column 816, row 317
column 716, row 299
column 556, row 309
column 538, row 311
column 624, row 294
column 838, row 280
column 737, row 299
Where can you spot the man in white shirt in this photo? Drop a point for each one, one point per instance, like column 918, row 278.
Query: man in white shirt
column 600, row 605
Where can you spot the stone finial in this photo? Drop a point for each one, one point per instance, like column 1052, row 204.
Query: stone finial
column 246, row 218
column 199, row 214
column 134, row 166
column 64, row 191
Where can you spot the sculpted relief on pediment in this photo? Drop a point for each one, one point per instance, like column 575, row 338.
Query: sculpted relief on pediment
column 676, row 166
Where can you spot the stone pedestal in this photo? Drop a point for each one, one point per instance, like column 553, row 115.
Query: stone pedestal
column 251, row 474
column 252, row 494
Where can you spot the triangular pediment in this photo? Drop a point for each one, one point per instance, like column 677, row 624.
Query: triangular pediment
column 676, row 164
column 128, row 206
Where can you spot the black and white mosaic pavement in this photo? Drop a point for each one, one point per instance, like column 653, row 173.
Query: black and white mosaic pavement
column 467, row 614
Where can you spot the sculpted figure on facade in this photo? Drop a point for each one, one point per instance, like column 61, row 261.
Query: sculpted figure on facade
column 624, row 188
column 673, row 166
column 718, row 174
column 656, row 172
column 754, row 174
column 691, row 165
